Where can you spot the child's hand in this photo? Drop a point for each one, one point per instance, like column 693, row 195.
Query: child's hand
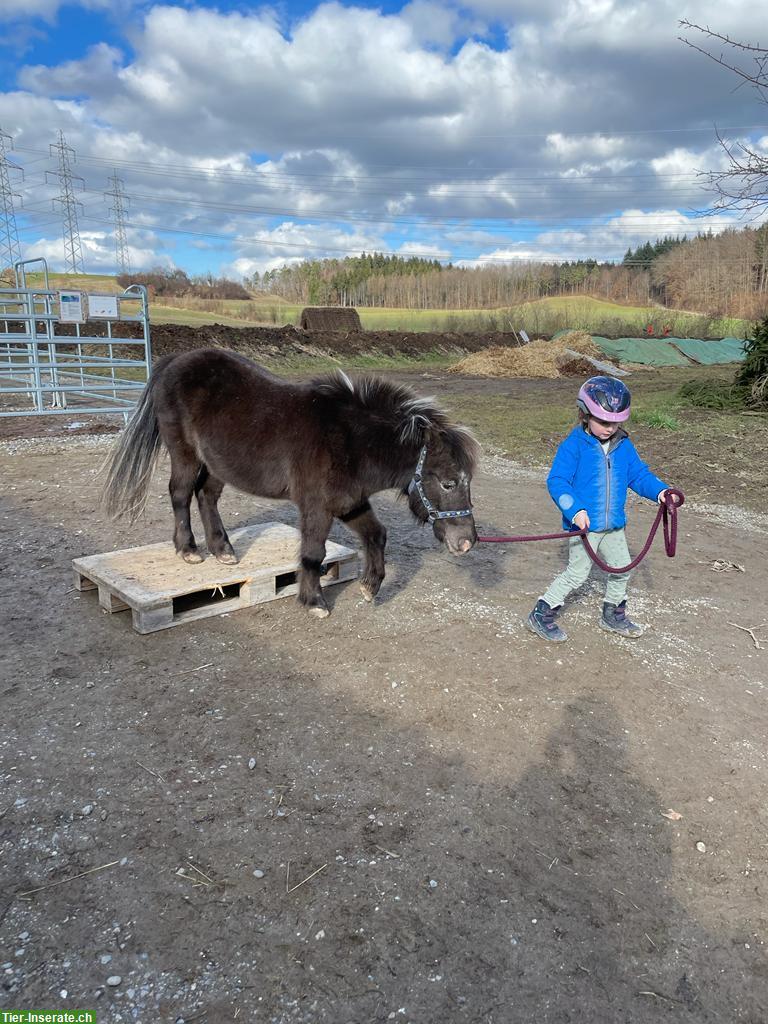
column 581, row 519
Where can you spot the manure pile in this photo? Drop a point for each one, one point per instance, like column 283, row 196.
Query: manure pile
column 536, row 359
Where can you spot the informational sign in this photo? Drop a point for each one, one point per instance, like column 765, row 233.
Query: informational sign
column 71, row 307
column 103, row 307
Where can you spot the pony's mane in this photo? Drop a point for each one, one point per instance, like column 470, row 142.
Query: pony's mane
column 410, row 415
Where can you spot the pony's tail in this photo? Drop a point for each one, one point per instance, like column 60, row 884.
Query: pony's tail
column 131, row 462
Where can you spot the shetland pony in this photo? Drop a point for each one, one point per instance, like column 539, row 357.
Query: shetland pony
column 327, row 445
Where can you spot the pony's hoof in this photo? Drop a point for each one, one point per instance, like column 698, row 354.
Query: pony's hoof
column 318, row 612
column 227, row 558
column 193, row 557
column 367, row 593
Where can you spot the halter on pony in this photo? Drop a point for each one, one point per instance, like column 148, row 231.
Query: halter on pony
column 432, row 513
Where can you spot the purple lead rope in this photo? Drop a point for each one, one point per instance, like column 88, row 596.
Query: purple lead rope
column 667, row 513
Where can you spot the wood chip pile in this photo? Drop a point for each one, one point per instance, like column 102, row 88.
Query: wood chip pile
column 536, row 359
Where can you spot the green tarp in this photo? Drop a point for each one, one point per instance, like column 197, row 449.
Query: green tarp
column 669, row 351
column 728, row 350
column 648, row 351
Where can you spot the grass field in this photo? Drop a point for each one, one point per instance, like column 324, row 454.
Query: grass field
column 375, row 361
column 162, row 313
column 544, row 316
column 712, row 455
column 528, row 424
column 586, row 304
column 99, row 283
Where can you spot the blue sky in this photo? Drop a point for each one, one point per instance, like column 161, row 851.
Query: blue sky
column 245, row 137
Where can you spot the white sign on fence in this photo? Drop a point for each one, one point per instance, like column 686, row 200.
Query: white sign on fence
column 71, row 307
column 103, row 307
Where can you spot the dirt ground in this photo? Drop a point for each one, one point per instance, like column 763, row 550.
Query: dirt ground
column 266, row 342
column 287, row 340
column 413, row 811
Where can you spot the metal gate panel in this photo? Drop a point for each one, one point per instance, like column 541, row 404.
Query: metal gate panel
column 44, row 371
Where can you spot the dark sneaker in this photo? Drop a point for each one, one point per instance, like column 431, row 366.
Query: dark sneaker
column 541, row 621
column 614, row 620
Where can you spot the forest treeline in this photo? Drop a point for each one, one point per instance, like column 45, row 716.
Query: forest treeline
column 717, row 275
column 175, row 283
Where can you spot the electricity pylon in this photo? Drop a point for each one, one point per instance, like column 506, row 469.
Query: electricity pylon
column 10, row 251
column 73, row 250
column 117, row 195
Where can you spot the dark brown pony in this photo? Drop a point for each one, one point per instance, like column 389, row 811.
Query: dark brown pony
column 326, row 445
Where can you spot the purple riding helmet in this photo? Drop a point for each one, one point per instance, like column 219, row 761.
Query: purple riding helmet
column 605, row 398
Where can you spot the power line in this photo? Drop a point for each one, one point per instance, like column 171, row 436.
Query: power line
column 355, row 250
column 516, row 188
column 504, row 229
column 447, row 220
column 618, row 132
column 661, row 221
column 167, row 169
column 659, row 224
column 680, row 197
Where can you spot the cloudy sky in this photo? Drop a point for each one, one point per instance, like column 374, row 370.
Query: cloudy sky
column 246, row 137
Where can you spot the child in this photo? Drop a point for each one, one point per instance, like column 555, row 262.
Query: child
column 588, row 482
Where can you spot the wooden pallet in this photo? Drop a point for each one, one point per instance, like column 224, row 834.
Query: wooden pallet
column 161, row 590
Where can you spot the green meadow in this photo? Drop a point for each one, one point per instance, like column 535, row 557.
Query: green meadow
column 541, row 317
column 544, row 316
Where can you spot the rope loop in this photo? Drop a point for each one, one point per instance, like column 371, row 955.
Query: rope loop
column 666, row 514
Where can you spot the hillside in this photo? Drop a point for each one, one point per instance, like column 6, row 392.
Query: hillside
column 543, row 316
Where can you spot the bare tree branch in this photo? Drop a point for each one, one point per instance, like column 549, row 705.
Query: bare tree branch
column 706, row 30
column 743, row 185
column 756, row 76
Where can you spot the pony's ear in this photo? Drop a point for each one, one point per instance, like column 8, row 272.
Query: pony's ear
column 460, row 442
column 430, row 434
column 416, row 428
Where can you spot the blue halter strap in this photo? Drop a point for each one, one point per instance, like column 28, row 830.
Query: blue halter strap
column 433, row 514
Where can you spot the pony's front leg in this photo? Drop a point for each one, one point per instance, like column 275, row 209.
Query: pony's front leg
column 373, row 534
column 315, row 525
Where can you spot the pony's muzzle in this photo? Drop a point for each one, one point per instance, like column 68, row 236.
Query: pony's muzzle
column 460, row 536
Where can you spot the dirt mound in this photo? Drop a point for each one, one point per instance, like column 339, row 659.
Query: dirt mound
column 574, row 366
column 289, row 341
column 537, row 359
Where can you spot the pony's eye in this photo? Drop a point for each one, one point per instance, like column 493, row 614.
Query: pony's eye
column 447, row 485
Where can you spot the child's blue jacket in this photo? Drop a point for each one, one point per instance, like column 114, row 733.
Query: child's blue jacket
column 583, row 476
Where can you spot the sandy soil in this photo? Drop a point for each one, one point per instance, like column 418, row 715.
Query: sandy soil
column 445, row 818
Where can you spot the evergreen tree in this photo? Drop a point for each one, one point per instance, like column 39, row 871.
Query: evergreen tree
column 755, row 364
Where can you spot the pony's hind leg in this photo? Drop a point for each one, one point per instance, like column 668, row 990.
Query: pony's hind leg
column 184, row 470
column 208, row 491
column 315, row 526
column 373, row 534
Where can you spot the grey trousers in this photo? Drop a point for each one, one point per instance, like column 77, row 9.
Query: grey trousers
column 612, row 548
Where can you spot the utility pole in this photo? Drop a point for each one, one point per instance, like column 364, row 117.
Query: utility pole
column 10, row 251
column 117, row 195
column 73, row 250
